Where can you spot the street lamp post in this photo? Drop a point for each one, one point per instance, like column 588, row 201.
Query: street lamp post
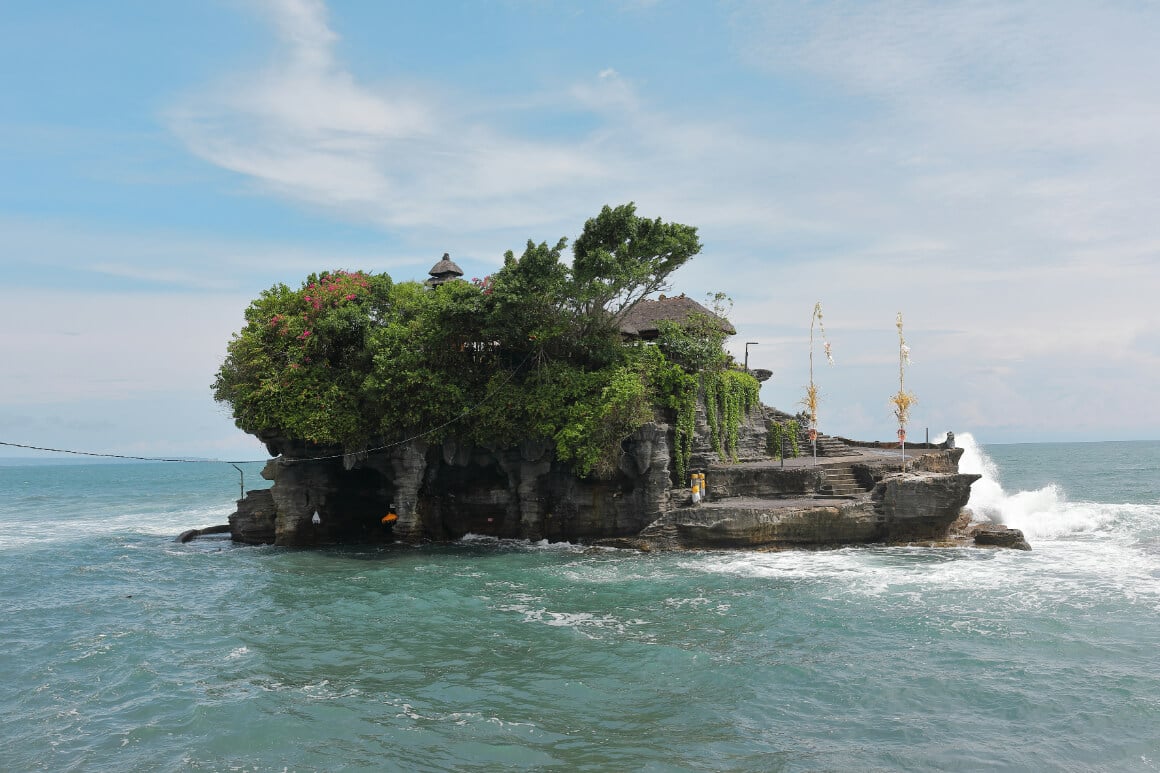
column 747, row 345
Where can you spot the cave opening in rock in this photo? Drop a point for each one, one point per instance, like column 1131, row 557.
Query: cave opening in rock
column 472, row 499
column 358, row 504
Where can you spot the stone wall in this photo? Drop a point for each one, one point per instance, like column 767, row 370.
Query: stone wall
column 762, row 481
column 752, row 438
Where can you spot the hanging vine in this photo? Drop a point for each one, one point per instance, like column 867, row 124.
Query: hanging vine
column 729, row 395
column 676, row 390
column 782, row 434
column 794, row 429
column 686, row 405
column 711, row 387
column 775, row 440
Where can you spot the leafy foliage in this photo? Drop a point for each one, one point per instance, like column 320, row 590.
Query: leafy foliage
column 298, row 364
column 353, row 359
column 729, row 395
column 620, row 258
column 695, row 345
column 783, row 438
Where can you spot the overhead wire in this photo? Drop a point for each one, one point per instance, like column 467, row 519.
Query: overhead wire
column 368, row 451
column 128, row 456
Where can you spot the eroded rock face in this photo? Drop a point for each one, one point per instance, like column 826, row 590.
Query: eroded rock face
column 444, row 492
column 755, row 481
column 918, row 506
column 762, row 523
column 869, row 473
column 903, row 507
column 253, row 522
column 752, row 438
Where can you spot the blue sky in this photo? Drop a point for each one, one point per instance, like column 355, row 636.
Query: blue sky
column 987, row 168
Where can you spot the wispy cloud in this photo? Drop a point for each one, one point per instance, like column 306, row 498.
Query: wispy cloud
column 1018, row 125
column 306, row 129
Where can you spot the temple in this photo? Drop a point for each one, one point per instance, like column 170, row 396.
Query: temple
column 446, row 270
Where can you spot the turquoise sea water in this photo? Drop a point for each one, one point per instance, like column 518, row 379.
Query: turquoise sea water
column 124, row 650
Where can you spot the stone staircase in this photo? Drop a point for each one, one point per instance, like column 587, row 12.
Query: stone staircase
column 789, row 502
column 839, row 481
column 768, row 480
column 827, row 446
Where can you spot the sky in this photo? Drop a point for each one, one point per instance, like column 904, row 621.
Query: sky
column 988, row 169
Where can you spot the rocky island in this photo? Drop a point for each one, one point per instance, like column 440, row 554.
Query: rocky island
column 548, row 401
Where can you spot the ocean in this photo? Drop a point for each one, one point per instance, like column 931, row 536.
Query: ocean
column 125, row 650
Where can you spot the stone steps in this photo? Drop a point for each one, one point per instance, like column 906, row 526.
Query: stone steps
column 770, row 481
column 840, row 483
column 827, row 446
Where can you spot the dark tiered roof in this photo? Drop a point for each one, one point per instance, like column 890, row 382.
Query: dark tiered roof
column 641, row 321
column 444, row 271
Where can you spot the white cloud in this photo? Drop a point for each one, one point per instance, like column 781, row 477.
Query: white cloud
column 117, row 345
column 987, row 167
column 306, row 129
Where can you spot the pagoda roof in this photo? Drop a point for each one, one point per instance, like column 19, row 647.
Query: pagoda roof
column 444, row 271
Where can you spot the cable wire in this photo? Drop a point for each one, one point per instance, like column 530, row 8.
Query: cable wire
column 367, row 451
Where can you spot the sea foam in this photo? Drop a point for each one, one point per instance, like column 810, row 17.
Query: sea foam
column 1043, row 513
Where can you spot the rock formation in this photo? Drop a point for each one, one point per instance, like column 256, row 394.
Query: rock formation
column 442, row 492
column 445, row 491
column 995, row 535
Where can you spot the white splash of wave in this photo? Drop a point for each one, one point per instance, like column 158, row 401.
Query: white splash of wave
column 590, row 625
column 1043, row 513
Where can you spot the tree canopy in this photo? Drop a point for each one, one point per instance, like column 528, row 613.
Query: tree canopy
column 354, row 359
column 621, row 258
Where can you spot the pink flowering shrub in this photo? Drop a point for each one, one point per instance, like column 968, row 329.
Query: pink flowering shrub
column 295, row 365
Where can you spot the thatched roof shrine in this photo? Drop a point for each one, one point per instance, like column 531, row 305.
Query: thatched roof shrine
column 642, row 319
column 444, row 271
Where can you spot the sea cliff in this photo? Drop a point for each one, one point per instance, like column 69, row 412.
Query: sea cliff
column 850, row 494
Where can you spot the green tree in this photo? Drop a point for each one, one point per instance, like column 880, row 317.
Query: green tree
column 526, row 302
column 532, row 351
column 621, row 258
column 299, row 363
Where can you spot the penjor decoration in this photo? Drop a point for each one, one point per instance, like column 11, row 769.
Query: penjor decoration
column 902, row 400
column 811, row 400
